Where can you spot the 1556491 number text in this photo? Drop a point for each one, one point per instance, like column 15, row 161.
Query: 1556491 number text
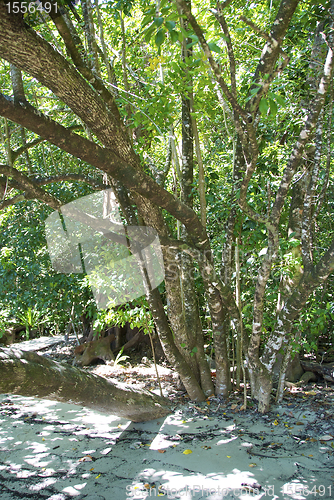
column 30, row 7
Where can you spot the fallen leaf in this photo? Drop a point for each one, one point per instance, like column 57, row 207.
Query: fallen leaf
column 234, row 406
column 228, row 456
column 199, row 409
column 87, row 458
column 252, row 465
column 276, row 422
column 105, row 451
column 97, row 477
column 299, row 423
column 187, row 452
column 327, row 437
column 162, row 451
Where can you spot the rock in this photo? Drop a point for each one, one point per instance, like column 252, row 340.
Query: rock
column 308, row 377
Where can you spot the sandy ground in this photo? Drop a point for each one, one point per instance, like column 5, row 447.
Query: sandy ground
column 60, row 451
column 213, row 450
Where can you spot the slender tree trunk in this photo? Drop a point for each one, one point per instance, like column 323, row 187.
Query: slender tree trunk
column 182, row 300
column 93, row 60
column 173, row 354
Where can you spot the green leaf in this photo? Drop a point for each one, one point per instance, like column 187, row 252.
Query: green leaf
column 184, row 32
column 273, row 107
column 175, row 66
column 145, row 21
column 252, row 93
column 159, row 37
column 277, row 98
column 214, row 47
column 149, row 33
column 158, row 21
column 175, row 36
column 280, row 100
column 170, row 25
column 263, row 106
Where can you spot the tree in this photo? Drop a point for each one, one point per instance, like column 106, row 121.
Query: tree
column 28, row 374
column 250, row 104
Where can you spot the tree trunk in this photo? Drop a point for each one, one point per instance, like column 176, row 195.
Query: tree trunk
column 261, row 385
column 28, row 374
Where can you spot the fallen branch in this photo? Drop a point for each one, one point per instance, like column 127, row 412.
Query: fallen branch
column 28, row 374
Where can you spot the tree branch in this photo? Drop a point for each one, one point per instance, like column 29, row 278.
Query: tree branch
column 222, row 21
column 23, row 149
column 304, row 136
column 12, row 201
column 105, row 160
column 33, row 190
column 214, row 65
column 321, row 196
column 263, row 34
column 270, row 53
column 36, row 56
column 70, row 177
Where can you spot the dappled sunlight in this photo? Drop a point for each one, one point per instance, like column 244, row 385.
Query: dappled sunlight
column 47, row 441
column 61, row 451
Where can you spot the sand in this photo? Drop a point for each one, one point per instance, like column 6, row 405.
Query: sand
column 210, row 451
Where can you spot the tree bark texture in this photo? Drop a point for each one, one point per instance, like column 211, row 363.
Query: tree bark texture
column 28, row 374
